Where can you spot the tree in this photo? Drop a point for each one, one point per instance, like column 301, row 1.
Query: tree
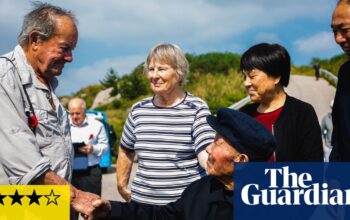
column 134, row 85
column 111, row 80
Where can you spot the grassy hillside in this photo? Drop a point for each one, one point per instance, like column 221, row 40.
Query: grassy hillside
column 214, row 77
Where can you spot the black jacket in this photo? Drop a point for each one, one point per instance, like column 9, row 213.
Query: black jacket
column 341, row 117
column 204, row 199
column 297, row 132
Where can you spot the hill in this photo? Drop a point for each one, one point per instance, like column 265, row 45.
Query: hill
column 214, row 77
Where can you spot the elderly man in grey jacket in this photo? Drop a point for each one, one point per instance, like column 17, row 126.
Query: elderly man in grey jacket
column 35, row 140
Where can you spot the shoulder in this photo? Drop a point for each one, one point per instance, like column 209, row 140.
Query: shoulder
column 195, row 102
column 298, row 104
column 201, row 183
column 6, row 66
column 142, row 103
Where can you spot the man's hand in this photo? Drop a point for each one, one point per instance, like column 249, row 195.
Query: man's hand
column 82, row 201
column 102, row 210
column 125, row 193
column 87, row 149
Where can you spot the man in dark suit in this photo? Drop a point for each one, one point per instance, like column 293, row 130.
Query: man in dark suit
column 341, row 106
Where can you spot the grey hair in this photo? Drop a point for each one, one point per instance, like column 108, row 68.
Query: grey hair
column 172, row 55
column 43, row 20
column 74, row 100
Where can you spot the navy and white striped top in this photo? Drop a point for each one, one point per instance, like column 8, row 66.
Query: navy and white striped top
column 167, row 141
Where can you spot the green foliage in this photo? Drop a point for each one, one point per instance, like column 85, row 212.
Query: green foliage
column 111, row 80
column 134, row 85
column 333, row 64
column 213, row 62
column 88, row 93
column 218, row 90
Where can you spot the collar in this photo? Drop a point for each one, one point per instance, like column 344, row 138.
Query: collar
column 85, row 122
column 217, row 192
column 27, row 73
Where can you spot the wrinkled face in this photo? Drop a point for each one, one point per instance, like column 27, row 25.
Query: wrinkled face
column 259, row 85
column 52, row 54
column 77, row 114
column 163, row 78
column 221, row 156
column 341, row 26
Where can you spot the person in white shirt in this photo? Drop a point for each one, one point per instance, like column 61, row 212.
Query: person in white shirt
column 92, row 133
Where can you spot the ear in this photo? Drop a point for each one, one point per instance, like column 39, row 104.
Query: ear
column 242, row 158
column 34, row 40
column 277, row 80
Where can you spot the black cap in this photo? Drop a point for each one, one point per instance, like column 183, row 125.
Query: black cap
column 244, row 133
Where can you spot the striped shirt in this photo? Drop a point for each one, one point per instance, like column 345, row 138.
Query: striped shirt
column 167, row 141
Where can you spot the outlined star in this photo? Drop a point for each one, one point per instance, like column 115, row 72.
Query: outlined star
column 1, row 198
column 16, row 198
column 52, row 198
column 34, row 198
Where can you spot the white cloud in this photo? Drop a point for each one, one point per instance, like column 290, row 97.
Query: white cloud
column 318, row 44
column 75, row 79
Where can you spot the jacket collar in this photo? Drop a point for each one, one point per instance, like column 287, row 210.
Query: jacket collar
column 217, row 192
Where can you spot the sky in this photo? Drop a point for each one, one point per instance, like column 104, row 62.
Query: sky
column 119, row 34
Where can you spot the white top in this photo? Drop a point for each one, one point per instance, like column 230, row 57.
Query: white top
column 92, row 132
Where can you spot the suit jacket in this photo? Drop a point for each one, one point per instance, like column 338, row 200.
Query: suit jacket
column 204, row 199
column 341, row 117
column 297, row 132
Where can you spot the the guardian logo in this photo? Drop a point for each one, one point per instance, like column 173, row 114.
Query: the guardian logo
column 294, row 189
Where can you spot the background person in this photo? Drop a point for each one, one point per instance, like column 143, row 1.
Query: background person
column 294, row 123
column 341, row 107
column 239, row 138
column 35, row 140
column 168, row 131
column 92, row 133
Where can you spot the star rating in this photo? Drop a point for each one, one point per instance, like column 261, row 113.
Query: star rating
column 34, row 198
column 1, row 198
column 16, row 198
column 52, row 198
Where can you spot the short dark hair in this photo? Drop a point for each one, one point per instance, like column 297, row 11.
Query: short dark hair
column 273, row 59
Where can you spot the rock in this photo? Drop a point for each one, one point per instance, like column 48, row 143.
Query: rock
column 103, row 98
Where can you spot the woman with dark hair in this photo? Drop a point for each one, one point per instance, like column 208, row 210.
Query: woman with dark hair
column 266, row 70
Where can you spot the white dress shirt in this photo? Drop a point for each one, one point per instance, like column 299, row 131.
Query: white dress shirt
column 91, row 132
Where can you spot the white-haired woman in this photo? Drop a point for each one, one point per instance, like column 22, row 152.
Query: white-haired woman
column 168, row 131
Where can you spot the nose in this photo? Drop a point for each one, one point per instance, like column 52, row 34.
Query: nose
column 246, row 81
column 68, row 57
column 339, row 37
column 208, row 149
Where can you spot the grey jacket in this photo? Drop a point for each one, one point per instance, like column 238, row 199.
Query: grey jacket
column 24, row 156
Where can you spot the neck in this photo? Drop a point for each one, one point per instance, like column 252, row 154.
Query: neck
column 273, row 102
column 227, row 181
column 33, row 62
column 169, row 99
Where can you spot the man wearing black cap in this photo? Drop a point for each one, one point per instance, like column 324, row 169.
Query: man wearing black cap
column 239, row 138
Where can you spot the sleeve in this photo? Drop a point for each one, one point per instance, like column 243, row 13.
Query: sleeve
column 310, row 136
column 20, row 155
column 202, row 133
column 128, row 138
column 137, row 211
column 102, row 142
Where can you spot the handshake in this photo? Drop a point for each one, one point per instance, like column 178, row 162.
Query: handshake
column 90, row 205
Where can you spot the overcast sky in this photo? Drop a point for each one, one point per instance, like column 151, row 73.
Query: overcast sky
column 120, row 33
